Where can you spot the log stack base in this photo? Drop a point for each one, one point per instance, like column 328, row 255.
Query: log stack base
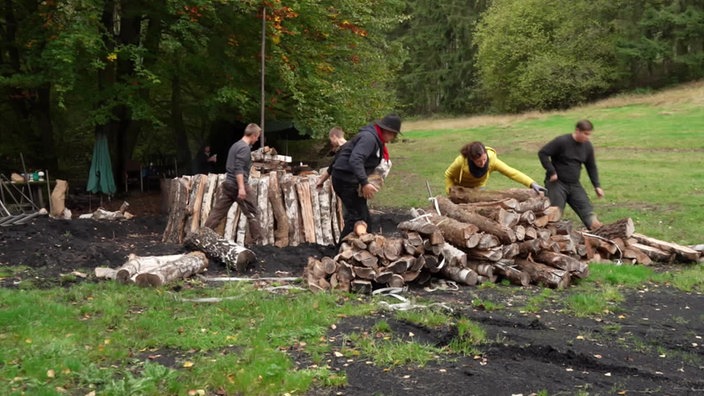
column 478, row 237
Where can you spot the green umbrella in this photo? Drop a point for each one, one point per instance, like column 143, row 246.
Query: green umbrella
column 100, row 178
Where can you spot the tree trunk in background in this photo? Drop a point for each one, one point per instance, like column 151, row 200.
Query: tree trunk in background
column 183, row 155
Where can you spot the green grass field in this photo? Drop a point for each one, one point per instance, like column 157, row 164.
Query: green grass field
column 113, row 339
column 649, row 149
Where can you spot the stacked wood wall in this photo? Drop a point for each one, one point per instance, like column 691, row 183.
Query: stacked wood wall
column 291, row 209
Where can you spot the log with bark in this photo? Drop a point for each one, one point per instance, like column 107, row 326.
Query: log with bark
column 156, row 270
column 450, row 209
column 234, row 256
column 182, row 268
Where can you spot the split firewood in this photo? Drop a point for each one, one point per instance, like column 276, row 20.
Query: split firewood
column 366, row 259
column 682, row 252
column 393, row 247
column 376, row 246
column 636, row 255
column 234, row 256
column 396, row 280
column 458, row 233
column 344, row 276
column 294, row 218
column 454, row 257
column 361, row 286
column 488, row 241
column 563, row 262
column 460, row 275
column 654, row 253
column 401, row 265
column 201, row 182
column 281, row 232
column 510, row 251
column 527, row 218
column 482, row 268
column 565, row 243
column 423, row 226
column 178, row 201
column 432, row 248
column 304, row 198
column 491, row 254
column 360, row 227
column 383, row 277
column 508, row 270
column 543, row 274
column 410, row 276
column 213, row 186
column 418, row 264
column 485, row 224
column 364, row 272
column 181, row 268
column 432, row 264
column 619, row 229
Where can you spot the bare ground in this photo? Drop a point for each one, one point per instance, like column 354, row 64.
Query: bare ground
column 649, row 344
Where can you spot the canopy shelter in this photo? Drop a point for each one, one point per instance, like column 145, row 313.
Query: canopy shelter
column 100, row 177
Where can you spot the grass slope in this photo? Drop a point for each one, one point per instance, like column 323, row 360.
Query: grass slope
column 649, row 148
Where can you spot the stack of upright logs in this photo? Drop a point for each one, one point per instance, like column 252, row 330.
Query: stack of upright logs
column 476, row 236
column 291, row 209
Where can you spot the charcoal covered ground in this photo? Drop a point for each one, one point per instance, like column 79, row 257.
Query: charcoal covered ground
column 649, row 344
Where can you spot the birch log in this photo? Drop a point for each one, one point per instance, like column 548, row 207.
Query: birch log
column 277, row 206
column 137, row 264
column 544, row 274
column 315, row 206
column 213, row 186
column 234, row 256
column 184, row 267
column 292, row 212
column 197, row 195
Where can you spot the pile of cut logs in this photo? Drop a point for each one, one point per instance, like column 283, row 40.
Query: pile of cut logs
column 291, row 209
column 476, row 236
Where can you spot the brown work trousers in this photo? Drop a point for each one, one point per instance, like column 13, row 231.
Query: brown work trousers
column 228, row 195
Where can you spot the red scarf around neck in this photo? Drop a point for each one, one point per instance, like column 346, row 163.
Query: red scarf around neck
column 383, row 145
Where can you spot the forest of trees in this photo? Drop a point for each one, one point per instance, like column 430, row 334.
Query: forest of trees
column 161, row 76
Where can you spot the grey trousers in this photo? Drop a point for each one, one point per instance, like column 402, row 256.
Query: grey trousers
column 572, row 194
column 228, row 195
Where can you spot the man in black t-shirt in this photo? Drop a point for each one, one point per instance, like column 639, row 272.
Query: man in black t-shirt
column 562, row 159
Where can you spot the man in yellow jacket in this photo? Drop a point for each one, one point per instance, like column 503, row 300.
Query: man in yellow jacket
column 474, row 165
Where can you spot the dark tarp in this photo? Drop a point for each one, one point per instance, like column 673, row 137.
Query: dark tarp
column 100, row 177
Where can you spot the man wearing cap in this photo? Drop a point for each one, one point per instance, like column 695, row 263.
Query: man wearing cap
column 355, row 161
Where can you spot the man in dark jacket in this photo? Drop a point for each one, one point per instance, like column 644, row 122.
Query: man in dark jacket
column 562, row 159
column 355, row 161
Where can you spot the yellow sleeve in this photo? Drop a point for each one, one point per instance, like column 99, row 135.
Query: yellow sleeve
column 512, row 173
column 452, row 173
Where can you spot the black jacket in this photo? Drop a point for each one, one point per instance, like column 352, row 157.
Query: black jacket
column 359, row 157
